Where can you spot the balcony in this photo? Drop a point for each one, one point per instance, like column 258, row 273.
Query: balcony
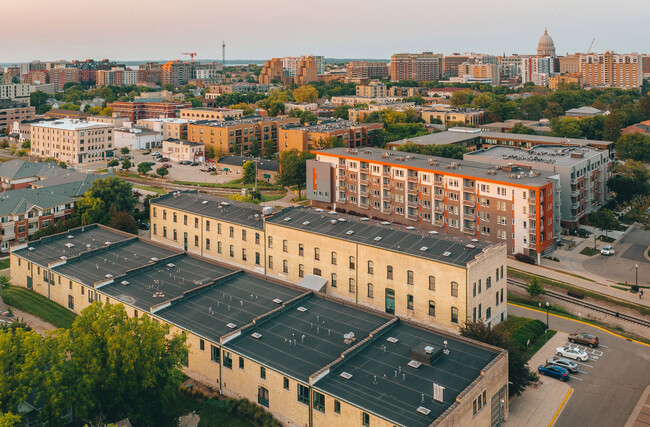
column 363, row 193
column 438, row 223
column 440, row 197
column 412, row 217
column 532, row 215
column 438, row 183
column 412, row 204
column 364, row 182
column 364, row 205
column 412, row 191
column 386, row 174
column 469, row 217
column 468, row 230
column 470, row 189
column 412, row 178
column 532, row 245
column 470, row 203
column 439, row 209
column 364, row 169
column 575, row 193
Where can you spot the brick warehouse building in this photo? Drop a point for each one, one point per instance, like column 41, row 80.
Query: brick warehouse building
column 148, row 110
column 307, row 357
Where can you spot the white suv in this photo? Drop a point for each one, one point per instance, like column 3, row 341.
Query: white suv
column 607, row 250
column 572, row 353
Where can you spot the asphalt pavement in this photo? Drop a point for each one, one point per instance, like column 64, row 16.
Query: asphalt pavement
column 610, row 384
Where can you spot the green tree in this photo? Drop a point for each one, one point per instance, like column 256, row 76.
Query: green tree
column 521, row 129
column 107, row 112
column 125, row 151
column 269, row 149
column 170, row 87
column 113, row 163
column 26, row 144
column 254, row 149
column 9, row 420
column 249, row 170
column 566, row 127
column 644, row 106
column 115, row 192
column 126, row 164
column 307, row 93
column 377, row 138
column 247, row 110
column 604, row 220
column 236, row 149
column 341, row 112
column 293, row 168
column 90, row 210
column 449, row 151
column 143, row 168
column 635, row 146
column 125, row 222
column 519, row 374
column 613, row 126
column 535, row 288
column 461, row 97
column 38, row 98
column 162, row 171
column 329, row 142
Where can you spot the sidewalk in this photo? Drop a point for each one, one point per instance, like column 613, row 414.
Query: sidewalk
column 540, row 407
column 572, row 280
column 641, row 415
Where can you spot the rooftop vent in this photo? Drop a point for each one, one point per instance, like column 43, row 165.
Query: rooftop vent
column 225, row 204
column 318, row 210
column 385, row 223
column 305, row 223
column 70, row 236
column 365, row 219
column 392, row 340
column 288, row 219
column 63, row 257
column 349, row 232
column 277, row 301
column 378, row 238
column 31, row 248
column 341, row 219
column 333, row 221
column 301, row 309
column 414, row 364
column 410, row 227
column 474, row 240
column 231, row 325
column 124, row 282
column 446, row 253
column 424, row 248
column 424, row 411
column 171, row 265
column 428, row 349
column 256, row 335
column 433, row 232
column 109, row 275
column 332, row 212
column 154, row 259
column 470, row 246
column 205, row 202
column 70, row 245
column 107, row 243
column 425, row 354
column 346, row 375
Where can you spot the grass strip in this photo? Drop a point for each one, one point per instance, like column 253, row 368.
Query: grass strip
column 41, row 307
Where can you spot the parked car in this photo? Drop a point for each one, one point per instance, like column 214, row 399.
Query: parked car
column 156, row 154
column 167, row 165
column 184, row 162
column 585, row 339
column 554, row 371
column 151, row 163
column 194, row 164
column 607, row 250
column 208, row 169
column 572, row 353
column 144, row 226
column 162, row 159
column 564, row 363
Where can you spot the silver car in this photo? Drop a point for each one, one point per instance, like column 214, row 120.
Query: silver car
column 564, row 363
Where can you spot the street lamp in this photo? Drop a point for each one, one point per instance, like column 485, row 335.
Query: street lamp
column 636, row 280
column 547, row 305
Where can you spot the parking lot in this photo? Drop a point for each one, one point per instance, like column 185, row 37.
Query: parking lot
column 608, row 385
column 179, row 172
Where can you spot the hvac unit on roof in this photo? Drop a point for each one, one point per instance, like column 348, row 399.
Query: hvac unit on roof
column 108, row 276
column 346, row 375
column 424, row 411
column 305, row 223
column 124, row 282
column 70, row 236
column 446, row 253
column 63, row 257
column 205, row 202
column 107, row 243
column 332, row 212
column 277, row 301
column 385, row 223
column 410, row 227
column 378, row 238
column 256, row 335
column 424, row 248
column 365, row 219
column 69, row 245
column 288, row 219
column 31, row 248
column 414, row 364
column 470, row 246
column 433, row 232
column 392, row 340
column 349, row 232
column 333, row 222
column 231, row 325
column 318, row 210
column 154, row 259
column 341, row 219
column 171, row 265
column 301, row 309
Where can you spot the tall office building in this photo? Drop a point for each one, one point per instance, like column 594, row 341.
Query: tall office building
column 420, row 67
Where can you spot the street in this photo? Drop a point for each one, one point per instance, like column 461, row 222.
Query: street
column 610, row 383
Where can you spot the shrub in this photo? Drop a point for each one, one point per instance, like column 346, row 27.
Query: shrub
column 525, row 258
column 634, row 288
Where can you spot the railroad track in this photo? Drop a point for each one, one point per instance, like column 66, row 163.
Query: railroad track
column 576, row 301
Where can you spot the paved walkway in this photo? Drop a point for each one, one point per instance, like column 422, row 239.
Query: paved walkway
column 540, row 407
column 641, row 415
column 36, row 323
column 597, row 286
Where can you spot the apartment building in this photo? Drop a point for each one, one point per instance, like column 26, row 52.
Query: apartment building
column 170, row 128
column 536, row 70
column 554, row 82
column 16, row 91
column 210, row 113
column 179, row 151
column 610, row 69
column 446, row 114
column 249, row 336
column 177, row 73
column 216, row 90
column 272, row 71
column 490, row 72
column 292, row 64
column 420, row 67
column 72, row 141
column 506, row 205
column 358, row 114
column 570, row 64
column 361, row 261
column 307, row 137
column 372, row 90
column 13, row 111
column 541, row 126
column 34, row 77
column 147, row 110
column 61, row 76
column 581, row 173
column 353, row 100
column 362, row 71
column 223, row 135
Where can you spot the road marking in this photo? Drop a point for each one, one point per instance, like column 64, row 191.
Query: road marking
column 561, row 406
column 604, row 346
column 582, row 363
column 576, row 378
column 580, row 321
column 593, row 357
column 583, row 372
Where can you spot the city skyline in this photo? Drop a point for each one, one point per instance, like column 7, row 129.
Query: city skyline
column 113, row 35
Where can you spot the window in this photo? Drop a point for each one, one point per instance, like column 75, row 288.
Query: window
column 502, row 295
column 432, row 309
column 365, row 419
column 337, row 407
column 285, row 246
column 70, row 302
column 232, row 231
column 285, row 267
column 201, row 344
column 488, row 283
column 175, row 235
column 319, row 401
column 474, row 314
column 207, row 244
column 317, row 272
column 371, row 267
column 257, row 238
column 270, row 242
column 454, row 315
column 409, row 302
column 263, row 396
column 479, row 286
column 303, row 394
column 333, row 258
column 215, row 354
column 232, row 251
column 219, row 247
column 196, row 223
column 270, row 262
column 474, row 290
column 241, row 362
column 164, row 214
column 184, row 219
column 454, row 289
column 351, row 285
column 409, row 277
column 243, row 235
column 351, row 263
column 488, row 313
column 243, row 254
column 333, row 281
column 285, row 383
column 301, row 249
column 196, row 241
column 480, row 312
column 175, row 217
column 227, row 360
column 317, row 254
column 497, row 275
column 164, row 232
column 154, row 213
column 301, row 270
column 497, row 295
column 432, row 283
column 389, row 272
column 257, row 258
column 207, row 225
column 371, row 291
column 262, row 372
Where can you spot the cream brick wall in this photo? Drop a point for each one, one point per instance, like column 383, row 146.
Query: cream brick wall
column 494, row 257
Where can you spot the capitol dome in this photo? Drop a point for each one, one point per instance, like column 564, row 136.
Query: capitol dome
column 545, row 47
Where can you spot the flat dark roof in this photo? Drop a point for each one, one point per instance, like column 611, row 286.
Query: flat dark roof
column 392, row 237
column 383, row 383
column 317, row 331
column 213, row 207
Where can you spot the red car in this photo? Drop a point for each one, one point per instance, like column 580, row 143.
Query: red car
column 585, row 339
column 167, row 165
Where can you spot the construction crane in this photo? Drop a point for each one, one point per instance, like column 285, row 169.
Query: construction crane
column 190, row 54
column 591, row 45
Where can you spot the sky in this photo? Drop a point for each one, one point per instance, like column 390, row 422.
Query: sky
column 261, row 29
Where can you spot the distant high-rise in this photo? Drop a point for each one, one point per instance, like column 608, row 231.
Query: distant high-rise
column 420, row 67
column 612, row 70
column 546, row 47
column 364, row 70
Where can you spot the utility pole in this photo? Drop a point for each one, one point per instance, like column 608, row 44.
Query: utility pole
column 223, row 54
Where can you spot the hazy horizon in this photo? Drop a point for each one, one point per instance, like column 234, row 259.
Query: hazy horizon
column 133, row 31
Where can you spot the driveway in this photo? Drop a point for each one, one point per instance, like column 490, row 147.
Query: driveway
column 610, row 384
column 620, row 267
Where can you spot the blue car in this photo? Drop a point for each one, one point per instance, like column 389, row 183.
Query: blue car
column 554, row 371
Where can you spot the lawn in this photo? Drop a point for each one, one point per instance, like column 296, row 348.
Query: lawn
column 589, row 251
column 39, row 306
column 152, row 189
column 271, row 197
column 539, row 343
column 236, row 184
column 607, row 239
column 4, row 263
column 211, row 411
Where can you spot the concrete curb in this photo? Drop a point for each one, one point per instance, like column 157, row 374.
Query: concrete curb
column 643, row 401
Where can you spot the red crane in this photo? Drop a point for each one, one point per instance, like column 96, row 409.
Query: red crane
column 190, row 54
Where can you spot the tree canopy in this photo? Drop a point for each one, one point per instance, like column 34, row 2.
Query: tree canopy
column 293, row 168
column 249, row 170
column 605, row 220
column 307, row 93
column 633, row 146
